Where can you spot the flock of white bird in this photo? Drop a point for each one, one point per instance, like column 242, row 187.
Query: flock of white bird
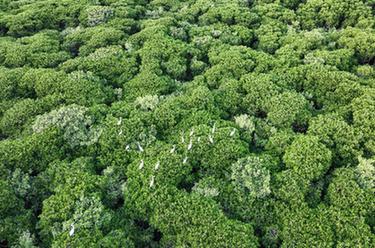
column 173, row 150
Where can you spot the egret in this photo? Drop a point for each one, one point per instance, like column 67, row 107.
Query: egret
column 127, row 148
column 120, row 132
column 233, row 132
column 140, row 148
column 191, row 132
column 157, row 165
column 119, row 121
column 173, row 149
column 210, row 139
column 71, row 232
column 185, row 160
column 152, row 181
column 141, row 164
column 190, row 145
column 213, row 128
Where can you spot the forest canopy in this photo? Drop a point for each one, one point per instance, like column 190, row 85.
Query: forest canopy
column 196, row 123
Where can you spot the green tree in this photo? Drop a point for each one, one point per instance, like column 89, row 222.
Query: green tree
column 73, row 121
column 308, row 157
column 251, row 173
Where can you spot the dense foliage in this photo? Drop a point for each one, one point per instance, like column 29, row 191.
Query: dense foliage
column 196, row 123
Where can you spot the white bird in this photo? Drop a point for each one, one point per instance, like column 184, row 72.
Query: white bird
column 127, row 148
column 140, row 148
column 185, row 160
column 173, row 149
column 213, row 128
column 190, row 145
column 199, row 139
column 71, row 232
column 191, row 132
column 233, row 132
column 120, row 132
column 152, row 181
column 119, row 121
column 210, row 139
column 157, row 165
column 141, row 164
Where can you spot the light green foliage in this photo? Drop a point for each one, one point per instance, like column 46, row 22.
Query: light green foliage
column 95, row 15
column 20, row 183
column 228, row 97
column 34, row 16
column 361, row 41
column 25, row 241
column 251, row 173
column 73, row 121
column 308, row 157
column 89, row 213
column 72, row 201
column 366, row 173
column 206, row 187
column 245, row 122
column 117, row 238
column 365, row 71
column 148, row 102
column 43, row 82
column 226, row 12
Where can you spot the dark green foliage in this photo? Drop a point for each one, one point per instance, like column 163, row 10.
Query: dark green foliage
column 307, row 228
column 337, row 135
column 110, row 63
column 333, row 13
column 148, row 83
column 308, row 157
column 363, row 120
column 22, row 113
column 199, row 123
column 344, row 192
column 288, row 108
